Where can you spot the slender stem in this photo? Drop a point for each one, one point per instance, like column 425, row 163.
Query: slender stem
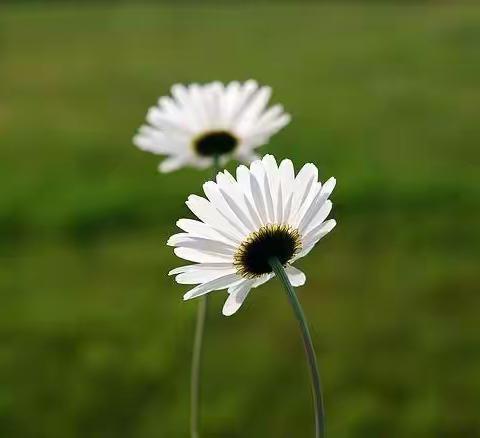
column 307, row 341
column 216, row 164
column 196, row 367
column 197, row 352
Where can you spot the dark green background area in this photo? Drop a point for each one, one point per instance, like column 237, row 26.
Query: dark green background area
column 95, row 339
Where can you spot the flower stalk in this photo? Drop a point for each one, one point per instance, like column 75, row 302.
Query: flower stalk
column 196, row 367
column 279, row 270
column 195, row 376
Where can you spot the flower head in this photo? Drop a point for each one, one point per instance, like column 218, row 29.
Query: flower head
column 265, row 212
column 202, row 121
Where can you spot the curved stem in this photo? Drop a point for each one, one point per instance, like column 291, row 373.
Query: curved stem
column 197, row 352
column 196, row 368
column 307, row 341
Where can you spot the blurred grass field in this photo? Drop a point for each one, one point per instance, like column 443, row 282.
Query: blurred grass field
column 95, row 339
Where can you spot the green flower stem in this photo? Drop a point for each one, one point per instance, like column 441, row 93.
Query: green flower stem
column 197, row 352
column 196, row 367
column 307, row 341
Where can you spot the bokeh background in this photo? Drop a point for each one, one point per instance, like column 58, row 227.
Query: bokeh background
column 95, row 340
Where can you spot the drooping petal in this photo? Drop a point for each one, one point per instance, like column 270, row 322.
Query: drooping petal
column 236, row 297
column 202, row 275
column 295, row 276
column 217, row 284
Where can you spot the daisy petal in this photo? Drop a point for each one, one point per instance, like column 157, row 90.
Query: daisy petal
column 319, row 216
column 170, row 164
column 207, row 213
column 318, row 232
column 217, row 284
column 200, row 256
column 200, row 229
column 201, row 267
column 202, row 276
column 199, row 243
column 295, row 276
column 236, row 297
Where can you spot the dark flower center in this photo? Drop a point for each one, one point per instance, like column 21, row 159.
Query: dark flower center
column 215, row 143
column 281, row 241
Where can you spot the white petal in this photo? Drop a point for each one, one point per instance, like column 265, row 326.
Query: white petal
column 262, row 280
column 189, row 109
column 217, row 284
column 254, row 107
column 271, row 114
column 237, row 210
column 243, row 178
column 279, row 206
column 217, row 199
column 257, row 177
column 202, row 275
column 230, row 98
column 302, row 185
column 307, row 213
column 201, row 267
column 312, row 237
column 198, row 256
column 246, row 92
column 172, row 240
column 170, row 164
column 271, row 172
column 319, row 217
column 295, row 276
column 206, row 212
column 201, row 244
column 151, row 140
column 328, row 187
column 268, row 201
column 200, row 229
column 233, row 194
column 287, row 176
column 287, row 210
column 236, row 297
column 260, row 132
column 164, row 121
column 314, row 206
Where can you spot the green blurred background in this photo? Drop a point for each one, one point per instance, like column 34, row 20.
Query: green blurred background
column 95, row 338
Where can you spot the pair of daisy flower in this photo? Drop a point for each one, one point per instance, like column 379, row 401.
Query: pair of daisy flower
column 245, row 221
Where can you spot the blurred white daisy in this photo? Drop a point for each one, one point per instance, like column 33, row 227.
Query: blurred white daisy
column 265, row 212
column 201, row 121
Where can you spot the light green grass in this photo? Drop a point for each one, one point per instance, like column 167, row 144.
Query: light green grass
column 95, row 339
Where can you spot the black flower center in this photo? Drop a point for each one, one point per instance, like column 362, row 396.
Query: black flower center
column 281, row 241
column 215, row 143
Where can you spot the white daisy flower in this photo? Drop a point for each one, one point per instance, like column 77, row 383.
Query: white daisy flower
column 200, row 122
column 265, row 212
